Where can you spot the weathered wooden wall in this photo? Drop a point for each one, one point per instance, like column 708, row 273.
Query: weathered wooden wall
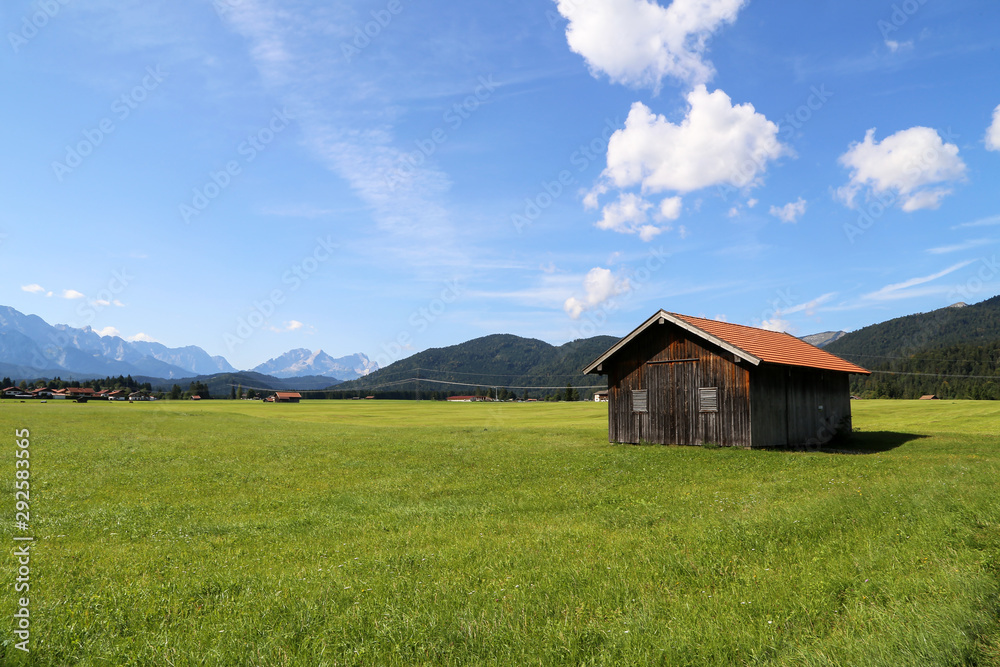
column 672, row 367
column 795, row 406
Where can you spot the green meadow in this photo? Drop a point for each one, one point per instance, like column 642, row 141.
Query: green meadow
column 403, row 533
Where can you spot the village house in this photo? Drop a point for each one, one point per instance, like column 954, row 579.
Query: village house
column 685, row 380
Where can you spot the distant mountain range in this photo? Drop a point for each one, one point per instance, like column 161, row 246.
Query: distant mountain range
column 953, row 352
column 825, row 338
column 499, row 360
column 301, row 362
column 32, row 348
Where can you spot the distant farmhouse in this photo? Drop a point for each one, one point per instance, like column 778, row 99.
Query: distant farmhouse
column 687, row 380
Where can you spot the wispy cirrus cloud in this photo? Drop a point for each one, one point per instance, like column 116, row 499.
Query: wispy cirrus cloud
column 905, row 289
column 958, row 247
column 298, row 61
column 990, row 221
column 809, row 306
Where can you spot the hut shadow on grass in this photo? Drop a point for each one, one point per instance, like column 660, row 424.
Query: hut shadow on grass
column 858, row 442
column 871, row 442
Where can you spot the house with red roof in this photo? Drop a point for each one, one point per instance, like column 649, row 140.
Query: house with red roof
column 78, row 394
column 685, row 380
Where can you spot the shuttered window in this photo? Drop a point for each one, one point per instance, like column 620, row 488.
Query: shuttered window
column 708, row 399
column 639, row 401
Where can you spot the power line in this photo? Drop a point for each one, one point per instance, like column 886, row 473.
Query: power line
column 877, row 356
column 397, row 383
column 942, row 375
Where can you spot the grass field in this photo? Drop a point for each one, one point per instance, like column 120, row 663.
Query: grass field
column 400, row 533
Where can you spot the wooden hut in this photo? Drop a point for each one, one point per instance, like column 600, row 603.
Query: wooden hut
column 687, row 380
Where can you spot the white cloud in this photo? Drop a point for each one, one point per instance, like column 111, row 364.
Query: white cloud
column 293, row 325
column 715, row 144
column 902, row 290
column 33, row 288
column 914, row 165
column 775, row 324
column 993, row 133
column 790, row 212
column 670, row 208
column 141, row 338
column 107, row 331
column 895, row 46
column 639, row 42
column 600, row 285
column 628, row 216
column 72, row 294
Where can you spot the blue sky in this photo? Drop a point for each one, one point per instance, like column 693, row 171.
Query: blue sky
column 252, row 176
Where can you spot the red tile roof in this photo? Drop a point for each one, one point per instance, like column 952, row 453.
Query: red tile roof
column 287, row 394
column 752, row 344
column 771, row 346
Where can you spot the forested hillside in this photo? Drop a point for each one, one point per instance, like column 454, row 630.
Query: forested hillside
column 952, row 352
column 501, row 363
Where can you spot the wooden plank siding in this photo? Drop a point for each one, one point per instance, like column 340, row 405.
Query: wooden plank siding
column 795, row 406
column 672, row 367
